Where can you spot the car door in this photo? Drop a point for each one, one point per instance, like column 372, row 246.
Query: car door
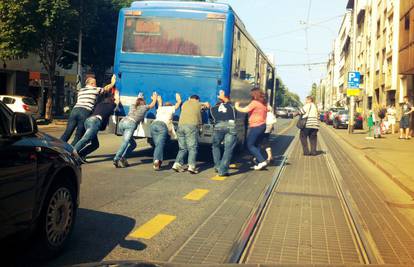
column 18, row 174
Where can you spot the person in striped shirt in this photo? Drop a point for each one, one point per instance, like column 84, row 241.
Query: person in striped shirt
column 83, row 108
column 309, row 111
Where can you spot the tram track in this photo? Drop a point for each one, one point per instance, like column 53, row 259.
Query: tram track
column 363, row 240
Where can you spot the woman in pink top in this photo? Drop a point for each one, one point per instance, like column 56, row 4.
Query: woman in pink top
column 257, row 110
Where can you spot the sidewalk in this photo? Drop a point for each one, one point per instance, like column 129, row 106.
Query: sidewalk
column 392, row 156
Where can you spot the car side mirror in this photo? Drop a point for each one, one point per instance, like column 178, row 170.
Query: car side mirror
column 22, row 125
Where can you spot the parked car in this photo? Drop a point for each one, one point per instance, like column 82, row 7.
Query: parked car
column 341, row 120
column 281, row 113
column 39, row 184
column 331, row 115
column 291, row 112
column 23, row 104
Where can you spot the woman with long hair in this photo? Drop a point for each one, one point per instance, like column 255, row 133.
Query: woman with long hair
column 257, row 110
column 128, row 125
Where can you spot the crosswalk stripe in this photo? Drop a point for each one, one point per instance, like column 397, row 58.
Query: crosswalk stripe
column 153, row 226
column 219, row 178
column 196, row 194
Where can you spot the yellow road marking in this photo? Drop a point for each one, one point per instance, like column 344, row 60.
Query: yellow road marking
column 234, row 166
column 196, row 194
column 219, row 178
column 153, row 226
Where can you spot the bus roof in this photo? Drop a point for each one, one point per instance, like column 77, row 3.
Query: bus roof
column 204, row 6
column 201, row 6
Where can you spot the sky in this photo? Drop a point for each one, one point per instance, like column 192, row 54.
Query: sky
column 278, row 26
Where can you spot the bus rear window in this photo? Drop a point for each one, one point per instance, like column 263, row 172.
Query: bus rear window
column 173, row 36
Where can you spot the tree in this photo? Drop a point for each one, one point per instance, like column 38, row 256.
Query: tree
column 284, row 97
column 99, row 27
column 43, row 27
column 314, row 91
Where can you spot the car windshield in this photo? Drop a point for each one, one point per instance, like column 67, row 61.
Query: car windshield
column 9, row 100
column 29, row 101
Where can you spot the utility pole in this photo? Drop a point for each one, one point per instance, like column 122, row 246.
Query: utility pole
column 353, row 65
column 79, row 69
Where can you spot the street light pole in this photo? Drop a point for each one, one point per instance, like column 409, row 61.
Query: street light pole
column 354, row 46
column 79, row 69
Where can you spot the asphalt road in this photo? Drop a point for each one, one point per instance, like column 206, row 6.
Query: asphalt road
column 137, row 213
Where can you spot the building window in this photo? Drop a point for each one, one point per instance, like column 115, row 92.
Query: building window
column 407, row 22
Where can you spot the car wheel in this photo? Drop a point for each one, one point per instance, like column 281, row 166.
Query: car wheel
column 57, row 219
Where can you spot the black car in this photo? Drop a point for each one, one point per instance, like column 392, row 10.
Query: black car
column 39, row 184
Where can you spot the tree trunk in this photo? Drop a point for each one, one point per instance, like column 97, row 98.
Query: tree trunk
column 49, row 102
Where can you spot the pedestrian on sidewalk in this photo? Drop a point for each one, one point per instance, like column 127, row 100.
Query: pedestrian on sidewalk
column 310, row 112
column 189, row 126
column 407, row 109
column 84, row 106
column 370, row 123
column 162, row 127
column 391, row 118
column 95, row 123
column 127, row 127
column 224, row 119
column 257, row 110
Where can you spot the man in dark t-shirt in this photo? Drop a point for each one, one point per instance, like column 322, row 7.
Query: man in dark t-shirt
column 224, row 117
column 95, row 123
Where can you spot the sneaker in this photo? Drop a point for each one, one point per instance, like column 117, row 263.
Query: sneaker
column 192, row 170
column 177, row 167
column 116, row 163
column 157, row 165
column 260, row 166
column 124, row 162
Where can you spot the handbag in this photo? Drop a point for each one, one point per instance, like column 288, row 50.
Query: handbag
column 301, row 124
column 270, row 118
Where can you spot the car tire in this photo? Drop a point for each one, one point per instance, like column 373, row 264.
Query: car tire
column 57, row 219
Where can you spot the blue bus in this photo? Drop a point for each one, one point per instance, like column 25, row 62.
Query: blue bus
column 190, row 48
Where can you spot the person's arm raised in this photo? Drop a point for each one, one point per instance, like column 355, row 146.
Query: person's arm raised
column 178, row 101
column 242, row 110
column 111, row 85
column 154, row 98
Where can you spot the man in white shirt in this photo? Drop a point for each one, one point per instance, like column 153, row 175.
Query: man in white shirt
column 163, row 126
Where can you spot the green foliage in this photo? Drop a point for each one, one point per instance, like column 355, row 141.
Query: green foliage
column 284, row 97
column 314, row 91
column 17, row 28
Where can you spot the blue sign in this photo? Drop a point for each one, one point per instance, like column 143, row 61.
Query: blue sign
column 354, row 79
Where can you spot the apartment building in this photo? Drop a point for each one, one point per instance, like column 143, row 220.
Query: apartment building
column 370, row 43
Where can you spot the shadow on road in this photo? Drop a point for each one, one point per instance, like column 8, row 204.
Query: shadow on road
column 95, row 235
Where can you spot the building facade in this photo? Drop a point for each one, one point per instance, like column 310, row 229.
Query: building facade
column 376, row 38
column 27, row 77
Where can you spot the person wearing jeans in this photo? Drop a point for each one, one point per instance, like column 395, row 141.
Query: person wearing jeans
column 127, row 127
column 188, row 144
column 161, row 127
column 257, row 110
column 83, row 108
column 159, row 133
column 95, row 123
column 224, row 118
column 187, row 134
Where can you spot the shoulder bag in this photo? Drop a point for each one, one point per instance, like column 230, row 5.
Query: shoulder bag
column 301, row 124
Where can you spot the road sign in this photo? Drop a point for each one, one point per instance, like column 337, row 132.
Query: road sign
column 354, row 79
column 353, row 92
